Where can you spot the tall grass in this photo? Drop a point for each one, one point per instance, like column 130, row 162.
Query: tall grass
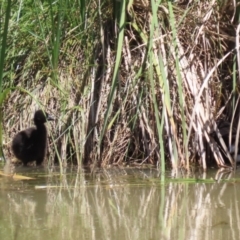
column 117, row 64
column 6, row 11
column 127, row 86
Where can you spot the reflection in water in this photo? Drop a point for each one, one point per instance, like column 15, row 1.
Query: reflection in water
column 117, row 204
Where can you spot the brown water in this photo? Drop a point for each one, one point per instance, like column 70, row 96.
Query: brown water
column 119, row 204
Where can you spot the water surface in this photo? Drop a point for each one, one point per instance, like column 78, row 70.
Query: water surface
column 119, row 204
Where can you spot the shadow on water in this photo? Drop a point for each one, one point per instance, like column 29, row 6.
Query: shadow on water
column 119, row 204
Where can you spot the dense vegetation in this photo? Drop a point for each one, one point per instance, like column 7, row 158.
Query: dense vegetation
column 129, row 81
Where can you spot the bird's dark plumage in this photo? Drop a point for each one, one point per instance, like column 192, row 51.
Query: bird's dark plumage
column 31, row 144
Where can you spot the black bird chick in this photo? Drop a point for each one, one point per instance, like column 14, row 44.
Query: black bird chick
column 31, row 144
